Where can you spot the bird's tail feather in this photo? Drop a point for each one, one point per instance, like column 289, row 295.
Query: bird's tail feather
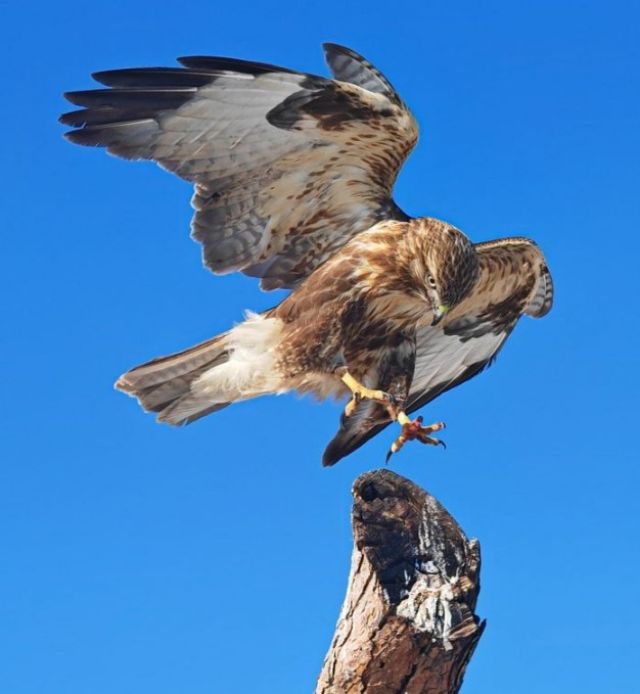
column 188, row 385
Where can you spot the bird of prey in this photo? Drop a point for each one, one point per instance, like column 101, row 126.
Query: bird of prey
column 293, row 177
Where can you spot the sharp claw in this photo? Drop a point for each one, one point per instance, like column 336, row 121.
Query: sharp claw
column 431, row 440
column 396, row 446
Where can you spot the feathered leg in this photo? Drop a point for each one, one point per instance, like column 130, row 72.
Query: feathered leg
column 410, row 430
column 370, row 410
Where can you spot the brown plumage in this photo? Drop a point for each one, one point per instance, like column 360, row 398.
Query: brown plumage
column 364, row 299
column 293, row 176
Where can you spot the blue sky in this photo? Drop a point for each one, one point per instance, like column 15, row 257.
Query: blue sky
column 139, row 558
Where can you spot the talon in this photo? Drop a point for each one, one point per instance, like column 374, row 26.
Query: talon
column 395, row 447
column 412, row 430
column 433, row 441
column 360, row 392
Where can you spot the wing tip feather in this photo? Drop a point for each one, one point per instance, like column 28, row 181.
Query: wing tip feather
column 330, row 46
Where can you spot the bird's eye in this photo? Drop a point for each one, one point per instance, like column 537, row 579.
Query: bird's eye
column 431, row 281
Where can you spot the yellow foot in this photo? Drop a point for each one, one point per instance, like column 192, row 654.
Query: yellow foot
column 412, row 430
column 360, row 392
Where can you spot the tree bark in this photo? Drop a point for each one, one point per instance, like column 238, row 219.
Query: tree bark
column 407, row 625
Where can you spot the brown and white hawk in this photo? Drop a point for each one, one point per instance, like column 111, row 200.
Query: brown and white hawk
column 293, row 176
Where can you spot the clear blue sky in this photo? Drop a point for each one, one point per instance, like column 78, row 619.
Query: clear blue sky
column 138, row 558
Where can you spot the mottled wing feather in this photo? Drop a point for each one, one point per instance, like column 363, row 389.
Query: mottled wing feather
column 514, row 281
column 287, row 166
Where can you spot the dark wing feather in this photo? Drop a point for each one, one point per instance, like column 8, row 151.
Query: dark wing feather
column 347, row 66
column 514, row 280
column 287, row 166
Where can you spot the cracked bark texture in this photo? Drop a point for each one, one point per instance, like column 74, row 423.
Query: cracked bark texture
column 407, row 625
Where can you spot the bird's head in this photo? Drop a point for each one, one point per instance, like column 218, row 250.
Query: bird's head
column 452, row 268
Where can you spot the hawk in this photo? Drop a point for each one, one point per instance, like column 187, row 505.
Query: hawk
column 293, row 177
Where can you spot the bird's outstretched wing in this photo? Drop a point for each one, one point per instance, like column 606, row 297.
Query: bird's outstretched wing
column 514, row 281
column 287, row 166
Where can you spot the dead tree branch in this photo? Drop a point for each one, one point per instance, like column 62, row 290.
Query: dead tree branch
column 407, row 625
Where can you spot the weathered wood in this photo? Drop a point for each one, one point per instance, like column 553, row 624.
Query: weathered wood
column 407, row 625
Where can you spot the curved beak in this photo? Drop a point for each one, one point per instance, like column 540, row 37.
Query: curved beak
column 439, row 313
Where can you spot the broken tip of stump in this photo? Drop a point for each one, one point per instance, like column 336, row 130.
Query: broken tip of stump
column 407, row 623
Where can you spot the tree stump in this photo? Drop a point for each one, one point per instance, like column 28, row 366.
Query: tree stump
column 407, row 625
